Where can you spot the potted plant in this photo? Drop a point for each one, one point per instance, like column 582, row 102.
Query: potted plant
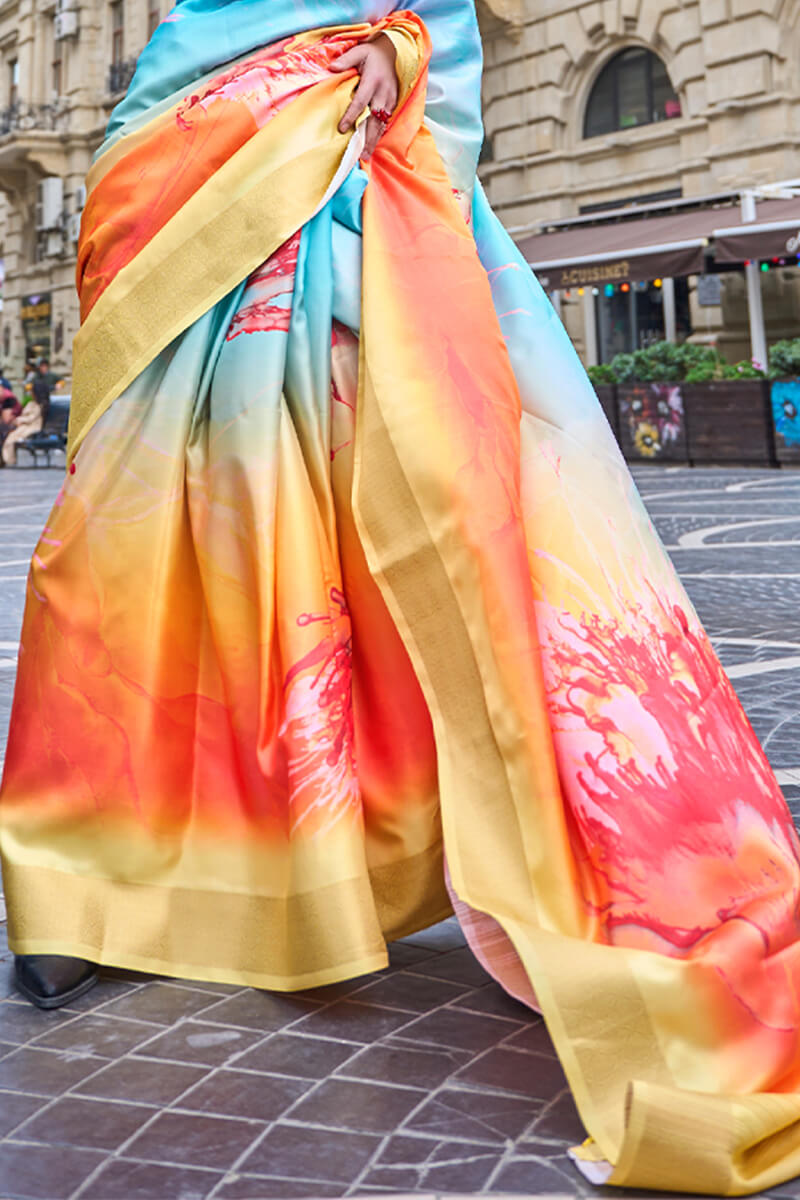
column 784, row 371
column 652, row 425
column 727, row 413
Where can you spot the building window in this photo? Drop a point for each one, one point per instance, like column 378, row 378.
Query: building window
column 153, row 17
column 117, row 31
column 13, row 82
column 633, row 89
column 57, row 65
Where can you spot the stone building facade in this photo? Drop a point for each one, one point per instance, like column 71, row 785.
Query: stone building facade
column 63, row 66
column 734, row 122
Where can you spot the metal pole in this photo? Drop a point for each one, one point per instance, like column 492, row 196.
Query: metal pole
column 555, row 300
column 755, row 306
column 590, row 328
column 670, row 314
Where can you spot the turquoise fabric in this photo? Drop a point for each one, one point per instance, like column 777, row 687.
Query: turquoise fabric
column 200, row 35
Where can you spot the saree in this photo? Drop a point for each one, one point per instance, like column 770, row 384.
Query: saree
column 349, row 612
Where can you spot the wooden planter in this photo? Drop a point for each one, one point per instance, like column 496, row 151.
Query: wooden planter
column 785, row 406
column 607, row 395
column 652, row 422
column 728, row 422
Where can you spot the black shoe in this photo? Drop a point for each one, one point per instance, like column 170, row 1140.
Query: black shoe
column 50, row 980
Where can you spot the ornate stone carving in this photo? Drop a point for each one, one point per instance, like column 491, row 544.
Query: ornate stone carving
column 507, row 11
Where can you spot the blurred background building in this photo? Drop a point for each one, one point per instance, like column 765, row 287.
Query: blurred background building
column 623, row 138
column 628, row 141
column 63, row 66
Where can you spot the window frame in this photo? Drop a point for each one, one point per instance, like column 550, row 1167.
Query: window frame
column 613, row 68
column 117, row 19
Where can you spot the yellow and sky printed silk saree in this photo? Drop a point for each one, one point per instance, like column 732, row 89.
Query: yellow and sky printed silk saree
column 348, row 609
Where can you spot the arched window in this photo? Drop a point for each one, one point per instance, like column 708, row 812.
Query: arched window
column 633, row 89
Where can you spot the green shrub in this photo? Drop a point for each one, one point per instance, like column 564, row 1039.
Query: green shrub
column 742, row 370
column 602, row 373
column 784, row 358
column 704, row 372
column 664, row 362
column 623, row 368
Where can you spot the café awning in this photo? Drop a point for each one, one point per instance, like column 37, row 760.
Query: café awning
column 623, row 250
column 775, row 233
column 619, row 248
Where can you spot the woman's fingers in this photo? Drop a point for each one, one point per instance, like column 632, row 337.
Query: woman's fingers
column 351, row 58
column 377, row 88
column 361, row 98
column 375, row 131
column 384, row 100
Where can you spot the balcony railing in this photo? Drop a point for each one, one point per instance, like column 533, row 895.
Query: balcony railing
column 23, row 117
column 120, row 75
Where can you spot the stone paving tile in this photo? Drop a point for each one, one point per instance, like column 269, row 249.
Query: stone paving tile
column 257, row 1187
column 459, row 966
column 15, row 1108
column 197, row 1042
column 354, row 1022
column 473, row 1116
column 534, row 1178
column 44, row 1172
column 105, row 1036
column 94, row 1124
column 299, row 1056
column 421, row 1079
column 142, row 1081
column 357, row 1105
column 416, row 993
column 263, row 1011
column 189, row 1139
column 537, row 1076
column 404, row 1065
column 245, row 1094
column 122, row 1179
column 460, row 1030
column 45, row 1072
column 160, row 1004
column 324, row 1155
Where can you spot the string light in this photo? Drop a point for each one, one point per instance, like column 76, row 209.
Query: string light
column 657, row 283
column 625, row 287
column 581, row 291
column 765, row 266
column 610, row 289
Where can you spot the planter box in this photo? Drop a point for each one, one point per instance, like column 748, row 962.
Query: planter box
column 652, row 422
column 607, row 395
column 785, row 405
column 728, row 421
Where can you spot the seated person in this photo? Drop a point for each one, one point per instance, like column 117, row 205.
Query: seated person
column 26, row 421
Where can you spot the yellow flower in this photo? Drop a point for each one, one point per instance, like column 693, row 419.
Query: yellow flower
column 646, row 440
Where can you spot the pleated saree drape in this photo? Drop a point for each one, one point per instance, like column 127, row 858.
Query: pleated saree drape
column 348, row 594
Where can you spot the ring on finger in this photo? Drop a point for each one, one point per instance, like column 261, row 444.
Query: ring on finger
column 382, row 115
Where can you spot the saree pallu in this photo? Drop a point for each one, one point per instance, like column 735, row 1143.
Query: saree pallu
column 348, row 599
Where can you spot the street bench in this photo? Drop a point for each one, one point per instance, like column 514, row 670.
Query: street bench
column 52, row 436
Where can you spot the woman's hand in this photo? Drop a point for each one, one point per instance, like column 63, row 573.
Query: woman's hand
column 375, row 63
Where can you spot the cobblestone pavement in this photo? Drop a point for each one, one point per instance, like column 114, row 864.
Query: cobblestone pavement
column 424, row 1078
